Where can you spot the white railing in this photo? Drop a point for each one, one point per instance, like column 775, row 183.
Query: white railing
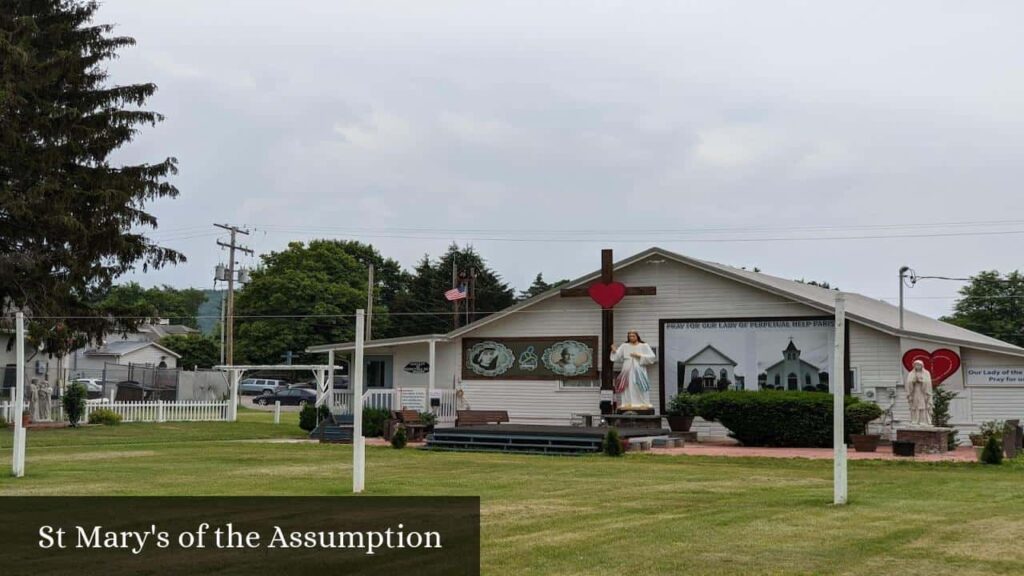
column 144, row 411
column 393, row 398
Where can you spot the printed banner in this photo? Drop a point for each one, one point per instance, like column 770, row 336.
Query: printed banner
column 781, row 354
column 549, row 358
column 995, row 376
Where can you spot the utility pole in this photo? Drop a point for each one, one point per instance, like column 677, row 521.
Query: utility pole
column 903, row 273
column 369, row 303
column 229, row 324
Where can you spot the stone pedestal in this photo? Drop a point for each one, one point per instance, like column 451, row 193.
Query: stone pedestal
column 633, row 421
column 690, row 436
column 926, row 439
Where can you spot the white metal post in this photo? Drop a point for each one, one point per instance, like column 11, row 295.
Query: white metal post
column 233, row 406
column 330, row 379
column 356, row 374
column 18, row 455
column 838, row 405
column 431, row 372
column 277, row 412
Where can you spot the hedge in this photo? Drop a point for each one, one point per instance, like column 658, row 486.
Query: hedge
column 777, row 418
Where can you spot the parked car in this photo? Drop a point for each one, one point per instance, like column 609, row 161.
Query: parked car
column 289, row 397
column 93, row 386
column 251, row 386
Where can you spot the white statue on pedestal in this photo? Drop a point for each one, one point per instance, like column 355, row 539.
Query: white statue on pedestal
column 919, row 395
column 633, row 384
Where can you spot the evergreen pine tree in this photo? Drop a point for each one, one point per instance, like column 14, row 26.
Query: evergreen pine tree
column 70, row 220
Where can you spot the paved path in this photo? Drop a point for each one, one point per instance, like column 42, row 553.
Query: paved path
column 962, row 454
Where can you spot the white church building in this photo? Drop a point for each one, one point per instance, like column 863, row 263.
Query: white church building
column 722, row 321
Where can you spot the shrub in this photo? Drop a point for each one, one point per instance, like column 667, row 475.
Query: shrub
column 373, row 422
column 858, row 415
column 104, row 416
column 428, row 418
column 399, row 438
column 683, row 404
column 992, row 429
column 992, row 453
column 778, row 418
column 310, row 416
column 940, row 412
column 612, row 444
column 74, row 403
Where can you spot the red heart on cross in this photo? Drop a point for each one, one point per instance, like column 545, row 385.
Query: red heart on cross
column 607, row 295
column 942, row 363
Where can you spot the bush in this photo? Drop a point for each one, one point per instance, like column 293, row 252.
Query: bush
column 428, row 418
column 74, row 403
column 992, row 453
column 310, row 416
column 399, row 438
column 992, row 429
column 104, row 416
column 612, row 444
column 858, row 415
column 683, row 404
column 779, row 418
column 373, row 422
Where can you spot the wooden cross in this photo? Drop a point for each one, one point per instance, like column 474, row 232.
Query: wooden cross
column 607, row 292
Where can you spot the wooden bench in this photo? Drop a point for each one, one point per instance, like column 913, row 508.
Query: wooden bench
column 479, row 417
column 415, row 428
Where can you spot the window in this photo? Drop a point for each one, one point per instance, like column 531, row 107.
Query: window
column 807, row 379
column 778, row 380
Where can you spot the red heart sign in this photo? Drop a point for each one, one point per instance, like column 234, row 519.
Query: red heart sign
column 942, row 363
column 607, row 295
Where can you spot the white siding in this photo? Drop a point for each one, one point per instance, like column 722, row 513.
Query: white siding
column 876, row 357
column 530, row 401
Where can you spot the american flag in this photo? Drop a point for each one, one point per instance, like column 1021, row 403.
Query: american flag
column 454, row 294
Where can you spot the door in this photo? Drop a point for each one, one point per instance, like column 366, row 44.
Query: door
column 378, row 372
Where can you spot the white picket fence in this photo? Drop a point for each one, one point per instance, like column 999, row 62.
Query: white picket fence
column 400, row 398
column 143, row 411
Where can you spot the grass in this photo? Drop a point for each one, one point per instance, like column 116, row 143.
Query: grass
column 641, row 514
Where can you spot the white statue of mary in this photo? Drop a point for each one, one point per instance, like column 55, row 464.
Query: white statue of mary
column 633, row 384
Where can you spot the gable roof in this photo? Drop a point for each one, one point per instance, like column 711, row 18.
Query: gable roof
column 867, row 311
column 122, row 347
column 715, row 351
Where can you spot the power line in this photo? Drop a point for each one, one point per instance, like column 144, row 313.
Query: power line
column 625, row 237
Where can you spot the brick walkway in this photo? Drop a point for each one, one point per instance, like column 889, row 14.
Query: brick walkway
column 961, row 454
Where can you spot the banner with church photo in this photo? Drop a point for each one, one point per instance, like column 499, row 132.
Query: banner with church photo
column 542, row 358
column 751, row 354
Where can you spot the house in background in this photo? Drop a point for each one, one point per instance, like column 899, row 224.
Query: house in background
column 154, row 332
column 124, row 352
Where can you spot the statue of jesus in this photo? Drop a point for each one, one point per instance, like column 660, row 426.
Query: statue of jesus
column 919, row 395
column 633, row 385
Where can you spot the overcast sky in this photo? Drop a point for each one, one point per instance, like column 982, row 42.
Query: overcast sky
column 638, row 123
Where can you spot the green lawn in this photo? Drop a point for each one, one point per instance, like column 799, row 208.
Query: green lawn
column 641, row 514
